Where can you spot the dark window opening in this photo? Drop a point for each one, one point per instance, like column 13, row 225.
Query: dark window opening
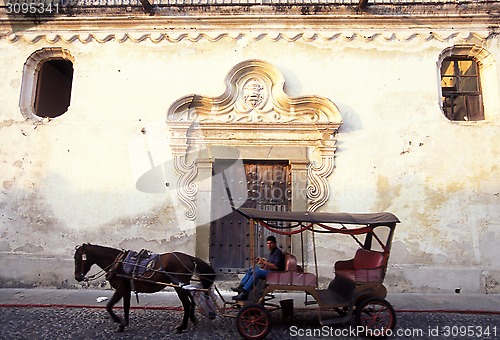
column 461, row 89
column 53, row 94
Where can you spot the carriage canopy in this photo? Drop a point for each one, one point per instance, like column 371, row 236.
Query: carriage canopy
column 382, row 218
column 296, row 222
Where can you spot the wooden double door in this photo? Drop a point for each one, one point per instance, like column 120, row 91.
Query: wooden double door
column 268, row 187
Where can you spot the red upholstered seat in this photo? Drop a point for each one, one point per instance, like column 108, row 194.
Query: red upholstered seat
column 366, row 266
column 291, row 263
column 293, row 276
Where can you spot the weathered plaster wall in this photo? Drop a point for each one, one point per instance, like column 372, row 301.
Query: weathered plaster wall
column 74, row 179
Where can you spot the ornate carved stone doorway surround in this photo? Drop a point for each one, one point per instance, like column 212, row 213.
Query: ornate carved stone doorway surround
column 255, row 116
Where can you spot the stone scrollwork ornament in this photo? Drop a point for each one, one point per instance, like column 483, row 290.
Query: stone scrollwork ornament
column 318, row 191
column 186, row 187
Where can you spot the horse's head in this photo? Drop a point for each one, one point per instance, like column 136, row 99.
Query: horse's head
column 82, row 262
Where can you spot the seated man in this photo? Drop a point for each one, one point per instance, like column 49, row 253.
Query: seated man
column 275, row 261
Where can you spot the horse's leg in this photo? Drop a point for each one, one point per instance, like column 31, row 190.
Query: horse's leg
column 109, row 307
column 186, row 304
column 193, row 307
column 126, row 306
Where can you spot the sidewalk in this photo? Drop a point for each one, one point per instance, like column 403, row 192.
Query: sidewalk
column 409, row 302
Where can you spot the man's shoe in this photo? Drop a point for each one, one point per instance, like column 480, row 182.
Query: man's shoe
column 241, row 296
column 238, row 289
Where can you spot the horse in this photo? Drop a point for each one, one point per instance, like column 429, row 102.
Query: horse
column 174, row 268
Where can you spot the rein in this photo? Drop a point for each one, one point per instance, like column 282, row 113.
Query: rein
column 97, row 275
column 185, row 267
column 100, row 273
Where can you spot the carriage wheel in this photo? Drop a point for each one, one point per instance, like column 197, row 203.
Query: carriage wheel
column 253, row 321
column 377, row 317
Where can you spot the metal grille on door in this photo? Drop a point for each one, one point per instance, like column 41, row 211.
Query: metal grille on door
column 269, row 188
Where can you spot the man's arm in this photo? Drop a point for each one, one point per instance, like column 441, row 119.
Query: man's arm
column 268, row 265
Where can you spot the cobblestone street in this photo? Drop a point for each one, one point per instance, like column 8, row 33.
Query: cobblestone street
column 93, row 323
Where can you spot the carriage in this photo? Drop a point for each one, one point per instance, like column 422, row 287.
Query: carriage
column 356, row 290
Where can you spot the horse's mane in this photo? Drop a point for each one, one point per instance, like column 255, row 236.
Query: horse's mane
column 105, row 249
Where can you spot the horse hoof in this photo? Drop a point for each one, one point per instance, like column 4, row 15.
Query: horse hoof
column 121, row 327
column 180, row 329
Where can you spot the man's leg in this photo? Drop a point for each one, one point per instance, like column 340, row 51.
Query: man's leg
column 243, row 281
column 247, row 276
column 259, row 274
column 248, row 282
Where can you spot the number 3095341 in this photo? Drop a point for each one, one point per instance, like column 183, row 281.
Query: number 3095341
column 32, row 8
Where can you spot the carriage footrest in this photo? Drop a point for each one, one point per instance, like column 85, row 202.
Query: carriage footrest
column 336, row 321
column 340, row 293
column 329, row 299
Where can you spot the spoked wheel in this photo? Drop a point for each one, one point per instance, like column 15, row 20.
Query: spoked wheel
column 253, row 321
column 377, row 317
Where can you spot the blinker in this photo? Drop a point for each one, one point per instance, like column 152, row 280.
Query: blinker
column 84, row 257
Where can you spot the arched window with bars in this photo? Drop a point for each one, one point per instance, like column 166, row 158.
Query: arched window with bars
column 461, row 70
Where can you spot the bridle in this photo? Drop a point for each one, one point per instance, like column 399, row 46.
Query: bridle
column 84, row 258
column 95, row 276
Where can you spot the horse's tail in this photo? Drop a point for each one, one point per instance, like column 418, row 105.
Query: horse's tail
column 205, row 272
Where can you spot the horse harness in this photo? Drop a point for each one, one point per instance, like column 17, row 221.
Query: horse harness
column 135, row 265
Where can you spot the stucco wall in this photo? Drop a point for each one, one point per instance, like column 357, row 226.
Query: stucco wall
column 73, row 179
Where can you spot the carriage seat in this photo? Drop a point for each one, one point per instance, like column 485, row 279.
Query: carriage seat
column 366, row 266
column 292, row 276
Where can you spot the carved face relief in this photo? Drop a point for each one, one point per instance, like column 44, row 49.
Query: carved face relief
column 253, row 93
